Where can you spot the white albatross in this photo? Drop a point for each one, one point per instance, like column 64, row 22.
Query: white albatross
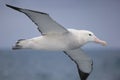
column 56, row 37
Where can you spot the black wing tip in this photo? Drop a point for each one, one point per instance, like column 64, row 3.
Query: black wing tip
column 13, row 7
column 83, row 75
column 7, row 5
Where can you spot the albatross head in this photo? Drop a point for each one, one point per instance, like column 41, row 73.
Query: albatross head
column 90, row 37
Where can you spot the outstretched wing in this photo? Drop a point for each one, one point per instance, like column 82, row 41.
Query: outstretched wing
column 83, row 62
column 46, row 25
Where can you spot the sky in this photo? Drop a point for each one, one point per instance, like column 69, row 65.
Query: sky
column 99, row 16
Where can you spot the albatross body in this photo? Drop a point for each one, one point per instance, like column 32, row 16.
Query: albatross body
column 61, row 42
column 56, row 38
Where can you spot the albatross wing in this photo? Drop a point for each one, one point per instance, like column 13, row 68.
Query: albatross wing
column 83, row 62
column 46, row 25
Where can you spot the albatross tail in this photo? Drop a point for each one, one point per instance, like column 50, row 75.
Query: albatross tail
column 18, row 45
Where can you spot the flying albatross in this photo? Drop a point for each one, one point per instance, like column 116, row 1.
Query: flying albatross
column 56, row 37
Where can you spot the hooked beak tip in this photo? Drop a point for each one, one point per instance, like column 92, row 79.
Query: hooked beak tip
column 103, row 43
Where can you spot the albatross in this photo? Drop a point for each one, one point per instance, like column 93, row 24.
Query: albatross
column 54, row 37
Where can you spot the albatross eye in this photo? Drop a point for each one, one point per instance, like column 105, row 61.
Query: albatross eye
column 90, row 34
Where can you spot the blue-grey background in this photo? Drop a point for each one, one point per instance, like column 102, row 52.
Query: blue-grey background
column 99, row 16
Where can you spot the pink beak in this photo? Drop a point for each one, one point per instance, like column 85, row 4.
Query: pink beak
column 97, row 40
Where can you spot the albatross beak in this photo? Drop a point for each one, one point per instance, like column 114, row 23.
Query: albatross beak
column 97, row 40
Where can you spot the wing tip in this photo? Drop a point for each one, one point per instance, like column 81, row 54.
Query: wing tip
column 19, row 9
column 13, row 7
column 83, row 75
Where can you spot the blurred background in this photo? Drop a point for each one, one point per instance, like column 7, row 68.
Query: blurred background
column 99, row 16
